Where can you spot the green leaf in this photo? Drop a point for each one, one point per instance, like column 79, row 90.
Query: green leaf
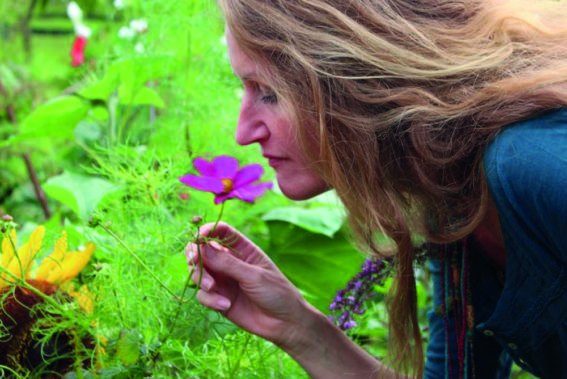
column 56, row 119
column 144, row 96
column 127, row 347
column 322, row 220
column 100, row 89
column 315, row 263
column 88, row 131
column 80, row 193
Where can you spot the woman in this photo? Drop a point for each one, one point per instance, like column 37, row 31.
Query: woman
column 444, row 118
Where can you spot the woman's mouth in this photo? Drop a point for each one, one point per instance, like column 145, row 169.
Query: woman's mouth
column 274, row 161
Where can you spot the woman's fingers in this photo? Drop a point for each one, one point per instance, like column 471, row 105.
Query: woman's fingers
column 213, row 300
column 220, row 260
column 202, row 276
column 192, row 253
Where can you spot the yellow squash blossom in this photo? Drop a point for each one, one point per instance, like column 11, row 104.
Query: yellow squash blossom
column 17, row 302
column 57, row 268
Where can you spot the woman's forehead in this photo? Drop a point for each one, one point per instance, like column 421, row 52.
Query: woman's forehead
column 243, row 66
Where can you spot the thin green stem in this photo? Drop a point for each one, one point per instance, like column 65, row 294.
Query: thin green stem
column 112, row 105
column 137, row 258
column 236, row 366
column 188, row 280
column 15, row 250
column 218, row 219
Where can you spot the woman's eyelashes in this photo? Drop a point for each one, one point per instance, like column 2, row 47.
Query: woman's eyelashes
column 269, row 98
column 263, row 93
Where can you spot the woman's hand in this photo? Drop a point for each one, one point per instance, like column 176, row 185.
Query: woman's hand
column 240, row 280
column 262, row 301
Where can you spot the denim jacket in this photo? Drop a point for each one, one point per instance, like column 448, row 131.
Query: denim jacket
column 520, row 315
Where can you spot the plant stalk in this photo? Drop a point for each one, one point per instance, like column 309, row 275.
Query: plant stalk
column 137, row 258
column 37, row 187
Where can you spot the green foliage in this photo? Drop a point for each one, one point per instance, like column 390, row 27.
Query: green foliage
column 321, row 220
column 319, row 265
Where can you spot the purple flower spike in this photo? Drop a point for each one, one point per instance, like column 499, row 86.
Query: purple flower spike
column 223, row 178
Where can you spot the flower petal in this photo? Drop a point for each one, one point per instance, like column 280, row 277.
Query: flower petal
column 51, row 262
column 74, row 263
column 248, row 174
column 7, row 249
column 204, row 167
column 250, row 192
column 203, row 183
column 225, row 167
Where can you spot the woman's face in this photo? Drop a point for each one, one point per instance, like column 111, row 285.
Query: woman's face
column 263, row 121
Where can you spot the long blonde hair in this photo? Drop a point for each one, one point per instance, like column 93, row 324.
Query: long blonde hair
column 403, row 97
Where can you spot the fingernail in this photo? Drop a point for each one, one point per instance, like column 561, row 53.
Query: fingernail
column 215, row 244
column 223, row 304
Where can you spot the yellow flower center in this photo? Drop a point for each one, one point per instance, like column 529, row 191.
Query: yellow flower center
column 227, row 185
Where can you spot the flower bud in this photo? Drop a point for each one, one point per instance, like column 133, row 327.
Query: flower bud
column 94, row 221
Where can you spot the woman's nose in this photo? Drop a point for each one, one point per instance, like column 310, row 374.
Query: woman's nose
column 251, row 126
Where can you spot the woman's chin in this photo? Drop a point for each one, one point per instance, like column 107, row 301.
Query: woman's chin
column 302, row 189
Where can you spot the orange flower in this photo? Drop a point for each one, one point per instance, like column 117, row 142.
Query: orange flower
column 17, row 315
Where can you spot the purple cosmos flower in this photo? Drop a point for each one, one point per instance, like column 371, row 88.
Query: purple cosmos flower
column 223, row 178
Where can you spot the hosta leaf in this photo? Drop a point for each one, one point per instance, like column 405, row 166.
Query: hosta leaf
column 79, row 192
column 322, row 220
column 317, row 264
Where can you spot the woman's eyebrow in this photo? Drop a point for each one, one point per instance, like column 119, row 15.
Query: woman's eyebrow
column 249, row 76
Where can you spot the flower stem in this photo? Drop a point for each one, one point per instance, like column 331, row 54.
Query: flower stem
column 137, row 258
column 236, row 367
column 218, row 219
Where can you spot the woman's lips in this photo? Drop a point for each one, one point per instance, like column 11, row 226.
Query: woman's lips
column 275, row 161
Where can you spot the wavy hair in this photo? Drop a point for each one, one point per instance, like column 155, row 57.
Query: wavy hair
column 403, row 96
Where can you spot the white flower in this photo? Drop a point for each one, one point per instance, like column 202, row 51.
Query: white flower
column 139, row 48
column 126, row 33
column 74, row 12
column 139, row 26
column 119, row 4
column 82, row 30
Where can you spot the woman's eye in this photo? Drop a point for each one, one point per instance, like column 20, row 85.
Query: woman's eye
column 269, row 98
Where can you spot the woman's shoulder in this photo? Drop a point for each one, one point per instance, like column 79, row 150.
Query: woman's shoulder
column 529, row 145
column 547, row 132
column 526, row 172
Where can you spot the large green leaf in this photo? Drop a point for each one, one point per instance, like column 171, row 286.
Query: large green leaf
column 316, row 264
column 56, row 119
column 322, row 220
column 100, row 89
column 80, row 193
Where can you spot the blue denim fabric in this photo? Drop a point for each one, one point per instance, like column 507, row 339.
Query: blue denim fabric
column 522, row 316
